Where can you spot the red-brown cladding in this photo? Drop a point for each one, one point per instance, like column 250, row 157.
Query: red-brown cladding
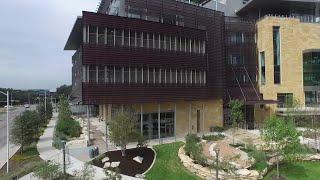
column 213, row 61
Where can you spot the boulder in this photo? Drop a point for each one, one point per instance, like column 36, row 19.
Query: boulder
column 243, row 172
column 114, row 164
column 105, row 159
column 106, row 165
column 138, row 159
column 254, row 173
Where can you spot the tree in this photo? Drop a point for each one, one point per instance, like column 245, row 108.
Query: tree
column 45, row 112
column 24, row 130
column 112, row 173
column 236, row 114
column 64, row 108
column 122, row 129
column 48, row 171
column 86, row 173
column 282, row 138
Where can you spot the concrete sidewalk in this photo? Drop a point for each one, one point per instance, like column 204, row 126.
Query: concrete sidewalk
column 47, row 152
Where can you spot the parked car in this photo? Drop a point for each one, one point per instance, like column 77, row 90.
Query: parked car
column 9, row 106
column 27, row 106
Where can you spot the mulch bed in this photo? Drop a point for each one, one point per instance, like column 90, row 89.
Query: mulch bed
column 127, row 165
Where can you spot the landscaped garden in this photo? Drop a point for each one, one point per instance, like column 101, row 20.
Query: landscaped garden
column 306, row 170
column 168, row 164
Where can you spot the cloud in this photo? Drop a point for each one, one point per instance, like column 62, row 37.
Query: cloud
column 33, row 34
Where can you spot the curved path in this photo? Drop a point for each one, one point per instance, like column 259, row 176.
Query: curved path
column 47, row 152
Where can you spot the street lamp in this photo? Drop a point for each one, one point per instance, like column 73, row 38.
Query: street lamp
column 7, row 94
column 217, row 150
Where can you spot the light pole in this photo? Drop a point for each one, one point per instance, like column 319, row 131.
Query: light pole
column 7, row 94
column 217, row 150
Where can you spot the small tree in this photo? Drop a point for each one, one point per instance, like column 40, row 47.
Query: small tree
column 24, row 130
column 122, row 129
column 48, row 171
column 282, row 138
column 237, row 115
column 45, row 112
column 87, row 172
column 112, row 173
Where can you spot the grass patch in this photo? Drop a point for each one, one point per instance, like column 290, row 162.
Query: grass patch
column 22, row 163
column 306, row 170
column 168, row 165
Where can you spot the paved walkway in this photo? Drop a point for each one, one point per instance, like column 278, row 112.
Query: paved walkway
column 47, row 152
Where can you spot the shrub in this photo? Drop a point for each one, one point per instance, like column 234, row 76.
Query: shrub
column 192, row 146
column 49, row 171
column 213, row 137
column 69, row 127
column 217, row 129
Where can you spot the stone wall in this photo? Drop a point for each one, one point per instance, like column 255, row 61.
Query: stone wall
column 206, row 173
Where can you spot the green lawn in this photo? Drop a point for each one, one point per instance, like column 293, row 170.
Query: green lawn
column 301, row 170
column 168, row 165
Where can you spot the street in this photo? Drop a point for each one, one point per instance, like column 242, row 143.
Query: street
column 3, row 122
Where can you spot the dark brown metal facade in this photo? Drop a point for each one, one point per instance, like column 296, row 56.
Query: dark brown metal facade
column 199, row 23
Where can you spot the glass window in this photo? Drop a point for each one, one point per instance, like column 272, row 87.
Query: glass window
column 132, row 75
column 174, row 76
column 167, row 41
column 183, row 44
column 150, row 40
column 178, row 43
column 118, row 37
column 276, row 52
column 118, row 74
column 132, row 39
column 101, row 74
column 139, row 75
column 92, row 74
column 262, row 68
column 151, row 75
column 157, row 42
column 101, row 35
column 110, row 38
column 126, row 38
column 126, row 75
column 110, row 74
column 92, row 34
column 184, row 77
column 145, row 75
column 139, row 39
column 179, row 78
column 156, row 76
column 311, row 98
column 167, row 71
column 163, row 76
column 285, row 100
column 162, row 44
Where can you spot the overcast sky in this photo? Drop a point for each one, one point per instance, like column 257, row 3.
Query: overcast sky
column 32, row 37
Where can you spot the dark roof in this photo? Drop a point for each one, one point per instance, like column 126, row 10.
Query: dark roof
column 75, row 37
column 275, row 6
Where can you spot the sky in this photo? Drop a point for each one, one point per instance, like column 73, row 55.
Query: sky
column 32, row 37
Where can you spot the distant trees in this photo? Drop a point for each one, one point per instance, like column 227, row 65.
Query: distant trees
column 64, row 90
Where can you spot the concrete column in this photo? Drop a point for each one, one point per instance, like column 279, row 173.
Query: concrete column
column 141, row 119
column 105, row 112
column 190, row 117
column 88, row 124
column 175, row 121
column 203, row 119
column 159, row 134
column 109, row 116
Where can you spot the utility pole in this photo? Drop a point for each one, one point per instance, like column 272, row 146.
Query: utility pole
column 7, row 94
column 88, row 124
